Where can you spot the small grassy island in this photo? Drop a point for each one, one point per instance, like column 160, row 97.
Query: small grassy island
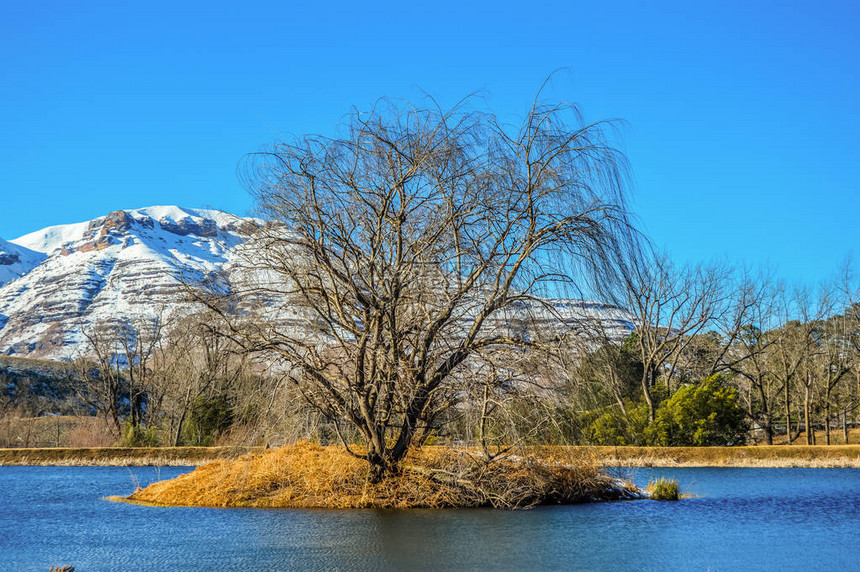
column 306, row 475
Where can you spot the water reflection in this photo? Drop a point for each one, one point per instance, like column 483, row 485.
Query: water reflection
column 741, row 519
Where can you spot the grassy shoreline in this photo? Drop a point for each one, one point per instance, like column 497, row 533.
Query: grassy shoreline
column 120, row 456
column 812, row 456
column 750, row 456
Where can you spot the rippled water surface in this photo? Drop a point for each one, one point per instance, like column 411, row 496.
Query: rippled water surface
column 740, row 519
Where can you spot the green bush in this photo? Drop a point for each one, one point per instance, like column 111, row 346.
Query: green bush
column 137, row 436
column 663, row 489
column 610, row 427
column 209, row 418
column 705, row 414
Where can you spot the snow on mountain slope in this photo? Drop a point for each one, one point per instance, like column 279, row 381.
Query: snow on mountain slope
column 127, row 264
column 16, row 260
column 131, row 264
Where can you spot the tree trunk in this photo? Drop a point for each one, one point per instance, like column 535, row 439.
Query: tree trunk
column 186, row 404
column 845, row 426
column 827, row 418
column 131, row 400
column 379, row 467
column 377, row 472
column 800, row 428
column 766, row 416
column 616, row 393
column 768, row 430
column 809, row 438
column 177, row 438
column 646, row 391
column 787, row 415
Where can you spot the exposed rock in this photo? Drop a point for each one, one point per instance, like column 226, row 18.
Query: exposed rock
column 145, row 222
column 8, row 258
column 118, row 221
column 16, row 260
column 185, row 226
column 100, row 244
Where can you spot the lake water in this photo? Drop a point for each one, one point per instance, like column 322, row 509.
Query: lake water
column 740, row 519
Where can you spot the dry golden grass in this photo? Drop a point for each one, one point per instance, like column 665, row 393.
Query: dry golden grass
column 836, row 437
column 55, row 431
column 753, row 456
column 305, row 475
column 119, row 456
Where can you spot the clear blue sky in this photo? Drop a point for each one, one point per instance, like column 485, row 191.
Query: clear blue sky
column 742, row 116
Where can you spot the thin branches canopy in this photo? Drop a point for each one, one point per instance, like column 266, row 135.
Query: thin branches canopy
column 408, row 244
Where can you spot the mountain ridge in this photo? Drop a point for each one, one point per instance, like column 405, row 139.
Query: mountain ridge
column 134, row 265
column 128, row 263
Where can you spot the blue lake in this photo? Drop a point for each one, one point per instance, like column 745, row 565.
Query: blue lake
column 740, row 519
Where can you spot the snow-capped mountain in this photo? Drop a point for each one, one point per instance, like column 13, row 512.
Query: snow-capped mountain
column 128, row 263
column 131, row 264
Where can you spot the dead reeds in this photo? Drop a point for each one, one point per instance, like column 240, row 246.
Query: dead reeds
column 119, row 456
column 820, row 456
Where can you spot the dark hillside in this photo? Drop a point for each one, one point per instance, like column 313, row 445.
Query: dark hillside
column 35, row 387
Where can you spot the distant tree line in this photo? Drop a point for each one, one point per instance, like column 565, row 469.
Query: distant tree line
column 721, row 358
column 713, row 358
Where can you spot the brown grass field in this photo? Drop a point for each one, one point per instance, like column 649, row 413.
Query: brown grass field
column 836, row 437
column 55, row 431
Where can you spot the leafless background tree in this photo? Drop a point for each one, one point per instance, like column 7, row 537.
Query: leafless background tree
column 670, row 307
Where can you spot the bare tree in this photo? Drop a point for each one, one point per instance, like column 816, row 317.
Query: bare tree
column 833, row 363
column 670, row 306
column 749, row 306
column 598, row 368
column 138, row 341
column 195, row 363
column 407, row 246
column 115, row 367
column 794, row 350
column 751, row 331
column 97, row 374
column 850, row 392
